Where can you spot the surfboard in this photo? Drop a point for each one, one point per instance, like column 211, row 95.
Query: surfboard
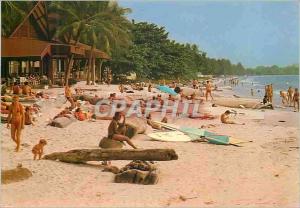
column 170, row 136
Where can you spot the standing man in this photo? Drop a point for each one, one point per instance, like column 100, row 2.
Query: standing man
column 208, row 90
column 271, row 93
column 194, row 84
column 290, row 96
column 296, row 99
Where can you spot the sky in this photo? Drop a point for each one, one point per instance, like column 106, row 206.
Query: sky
column 251, row 32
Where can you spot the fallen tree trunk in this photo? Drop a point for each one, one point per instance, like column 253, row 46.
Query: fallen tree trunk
column 84, row 155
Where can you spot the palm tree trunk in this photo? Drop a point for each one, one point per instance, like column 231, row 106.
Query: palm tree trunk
column 94, row 71
column 100, row 70
column 90, row 65
column 68, row 69
column 71, row 58
column 85, row 69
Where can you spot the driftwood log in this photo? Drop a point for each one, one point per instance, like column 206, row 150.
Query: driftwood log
column 84, row 155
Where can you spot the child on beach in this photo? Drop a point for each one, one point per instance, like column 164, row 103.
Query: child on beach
column 38, row 149
column 225, row 118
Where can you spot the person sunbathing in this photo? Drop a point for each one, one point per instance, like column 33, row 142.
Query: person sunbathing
column 225, row 118
column 16, row 119
column 115, row 130
column 28, row 116
column 78, row 91
column 65, row 113
column 26, row 90
column 5, row 107
column 164, row 120
column 81, row 116
column 151, row 123
column 16, row 89
column 41, row 95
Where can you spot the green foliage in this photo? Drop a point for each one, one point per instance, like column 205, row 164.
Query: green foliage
column 274, row 70
column 154, row 56
column 12, row 14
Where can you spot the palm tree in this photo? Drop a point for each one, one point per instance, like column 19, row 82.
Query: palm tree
column 109, row 29
column 13, row 12
column 74, row 18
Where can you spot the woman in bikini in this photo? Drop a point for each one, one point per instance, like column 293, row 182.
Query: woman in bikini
column 17, row 119
column 115, row 130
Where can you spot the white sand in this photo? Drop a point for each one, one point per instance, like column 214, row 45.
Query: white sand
column 263, row 173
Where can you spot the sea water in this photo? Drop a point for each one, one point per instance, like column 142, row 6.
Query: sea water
column 258, row 83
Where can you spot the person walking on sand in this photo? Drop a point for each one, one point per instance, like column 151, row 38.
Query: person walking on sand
column 69, row 96
column 194, row 84
column 290, row 95
column 208, row 90
column 114, row 129
column 296, row 99
column 252, row 92
column 16, row 119
column 121, row 88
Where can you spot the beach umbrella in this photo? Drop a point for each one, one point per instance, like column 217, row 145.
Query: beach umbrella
column 166, row 89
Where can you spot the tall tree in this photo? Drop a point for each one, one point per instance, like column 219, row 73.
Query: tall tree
column 109, row 29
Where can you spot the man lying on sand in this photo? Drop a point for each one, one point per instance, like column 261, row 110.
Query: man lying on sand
column 225, row 118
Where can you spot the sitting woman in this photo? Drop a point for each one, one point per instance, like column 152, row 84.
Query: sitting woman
column 28, row 116
column 16, row 89
column 225, row 118
column 115, row 129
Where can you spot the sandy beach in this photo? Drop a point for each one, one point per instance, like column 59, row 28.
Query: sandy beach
column 261, row 173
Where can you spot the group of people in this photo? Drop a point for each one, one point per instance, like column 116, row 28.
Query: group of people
column 25, row 89
column 290, row 97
